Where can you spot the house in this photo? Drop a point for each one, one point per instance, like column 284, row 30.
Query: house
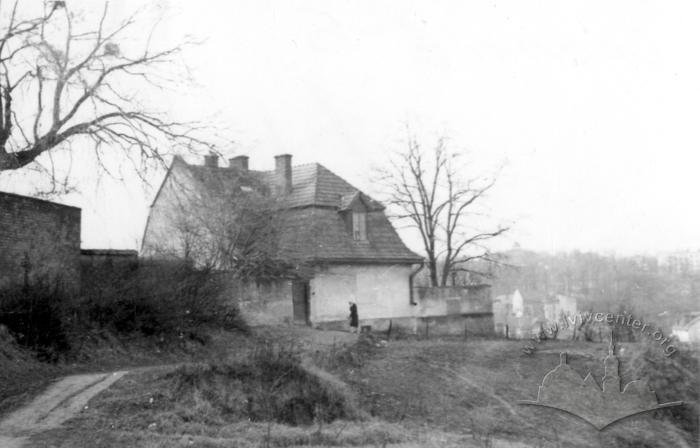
column 40, row 240
column 508, row 310
column 347, row 248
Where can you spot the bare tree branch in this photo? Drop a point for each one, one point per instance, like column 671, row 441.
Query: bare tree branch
column 76, row 82
column 427, row 191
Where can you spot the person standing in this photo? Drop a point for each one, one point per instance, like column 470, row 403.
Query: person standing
column 354, row 320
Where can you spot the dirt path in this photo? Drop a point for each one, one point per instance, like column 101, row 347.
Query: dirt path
column 53, row 407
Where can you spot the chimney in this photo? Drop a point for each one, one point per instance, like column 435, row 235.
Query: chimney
column 212, row 160
column 239, row 162
column 283, row 173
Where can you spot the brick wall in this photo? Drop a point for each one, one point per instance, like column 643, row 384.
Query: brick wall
column 40, row 238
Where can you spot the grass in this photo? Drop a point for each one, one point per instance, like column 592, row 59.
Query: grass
column 434, row 393
column 22, row 376
column 473, row 388
column 261, row 396
column 152, row 314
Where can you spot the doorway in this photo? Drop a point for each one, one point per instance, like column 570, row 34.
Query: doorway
column 300, row 302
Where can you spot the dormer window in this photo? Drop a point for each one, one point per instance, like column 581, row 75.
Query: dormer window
column 353, row 211
column 359, row 225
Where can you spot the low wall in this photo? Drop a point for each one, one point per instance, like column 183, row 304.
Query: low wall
column 262, row 303
column 452, row 300
column 475, row 324
column 105, row 269
column 108, row 257
column 454, row 310
column 437, row 311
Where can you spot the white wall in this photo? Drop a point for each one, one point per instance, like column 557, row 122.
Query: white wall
column 380, row 291
column 164, row 235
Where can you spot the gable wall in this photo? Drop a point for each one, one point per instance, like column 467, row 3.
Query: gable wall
column 163, row 236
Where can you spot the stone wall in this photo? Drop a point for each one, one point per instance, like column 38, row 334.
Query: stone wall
column 264, row 302
column 454, row 300
column 454, row 310
column 102, row 269
column 38, row 238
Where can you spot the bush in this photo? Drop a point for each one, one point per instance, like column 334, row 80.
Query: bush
column 158, row 299
column 155, row 299
column 36, row 316
column 353, row 356
column 269, row 384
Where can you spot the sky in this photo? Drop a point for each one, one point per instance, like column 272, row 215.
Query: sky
column 591, row 108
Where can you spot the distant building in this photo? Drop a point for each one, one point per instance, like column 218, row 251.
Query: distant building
column 688, row 328
column 508, row 313
column 518, row 316
column 681, row 262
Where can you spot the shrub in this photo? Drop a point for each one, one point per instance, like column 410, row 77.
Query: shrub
column 352, row 356
column 154, row 299
column 158, row 299
column 268, row 384
column 36, row 316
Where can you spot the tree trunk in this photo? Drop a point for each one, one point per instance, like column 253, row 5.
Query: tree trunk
column 433, row 269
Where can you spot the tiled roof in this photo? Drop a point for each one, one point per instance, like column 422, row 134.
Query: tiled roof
column 312, row 227
column 312, row 184
column 316, row 233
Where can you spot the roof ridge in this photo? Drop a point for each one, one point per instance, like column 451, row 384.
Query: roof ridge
column 301, row 165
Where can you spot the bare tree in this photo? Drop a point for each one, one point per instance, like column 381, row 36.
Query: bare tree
column 60, row 83
column 233, row 224
column 438, row 200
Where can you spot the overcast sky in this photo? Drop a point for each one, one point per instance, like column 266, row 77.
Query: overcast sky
column 592, row 105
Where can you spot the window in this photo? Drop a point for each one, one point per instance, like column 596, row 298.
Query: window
column 359, row 226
